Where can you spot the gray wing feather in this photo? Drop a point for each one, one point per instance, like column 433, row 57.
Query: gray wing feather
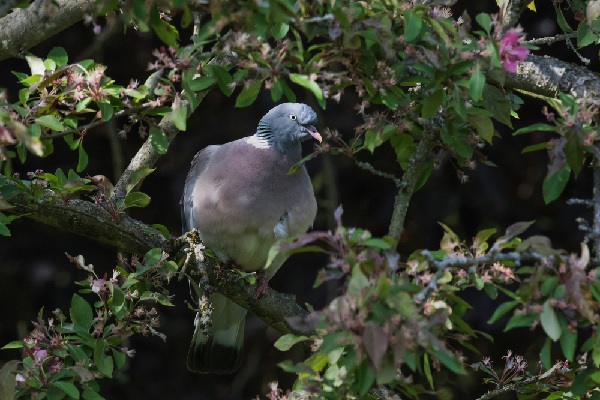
column 199, row 164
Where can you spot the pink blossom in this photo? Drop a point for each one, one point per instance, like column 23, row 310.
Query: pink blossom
column 510, row 53
column 98, row 285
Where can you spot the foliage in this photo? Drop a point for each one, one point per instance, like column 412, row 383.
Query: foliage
column 65, row 356
column 420, row 76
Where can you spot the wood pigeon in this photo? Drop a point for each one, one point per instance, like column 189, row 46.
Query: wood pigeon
column 241, row 198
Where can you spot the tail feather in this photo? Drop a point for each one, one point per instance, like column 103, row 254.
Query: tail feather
column 220, row 351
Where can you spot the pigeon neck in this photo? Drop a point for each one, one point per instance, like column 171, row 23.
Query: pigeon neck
column 263, row 138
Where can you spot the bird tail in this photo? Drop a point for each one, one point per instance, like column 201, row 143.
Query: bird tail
column 220, row 350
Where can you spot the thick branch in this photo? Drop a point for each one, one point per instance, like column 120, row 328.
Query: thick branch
column 92, row 220
column 26, row 27
column 547, row 76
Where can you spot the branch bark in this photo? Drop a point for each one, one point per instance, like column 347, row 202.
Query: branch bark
column 26, row 27
column 129, row 235
column 407, row 187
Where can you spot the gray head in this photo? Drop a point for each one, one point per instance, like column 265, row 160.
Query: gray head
column 288, row 124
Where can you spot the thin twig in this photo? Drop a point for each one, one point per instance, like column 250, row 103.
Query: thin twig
column 368, row 167
column 552, row 39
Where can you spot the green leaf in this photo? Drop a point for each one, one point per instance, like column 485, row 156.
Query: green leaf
column 484, row 21
column 484, row 127
column 476, row 83
column 539, row 127
column 427, row 371
column 136, row 199
column 202, row 83
column 449, row 360
column 106, row 110
column 545, row 353
column 89, row 394
column 83, row 158
column 179, row 114
column 585, row 36
column 568, row 340
column 554, row 184
column 575, row 153
column 519, row 320
column 249, row 93
column 16, row 344
column 413, row 23
column 59, row 56
column 7, row 379
column 119, row 357
column 502, row 309
column 535, row 147
column 165, row 31
column 67, row 387
column 50, row 121
column 432, row 103
column 158, row 140
column 549, row 321
column 279, row 30
column 137, row 176
column 285, row 342
column 311, row 85
column 103, row 362
column 81, row 312
column 224, row 79
column 36, row 65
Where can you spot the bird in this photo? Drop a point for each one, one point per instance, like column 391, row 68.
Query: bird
column 242, row 197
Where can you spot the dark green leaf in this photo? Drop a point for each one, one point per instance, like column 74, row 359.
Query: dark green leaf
column 159, row 140
column 432, row 103
column 67, row 387
column 539, row 127
column 81, row 312
column 50, row 121
column 413, row 23
column 136, row 199
column 519, row 320
column 554, row 184
column 83, row 158
column 89, row 394
column 568, row 340
column 106, row 110
column 137, row 176
column 476, row 83
column 503, row 309
column 249, row 93
column 59, row 56
column 585, row 36
column 103, row 362
column 224, row 79
column 545, row 356
column 202, row 83
column 165, row 31
column 484, row 127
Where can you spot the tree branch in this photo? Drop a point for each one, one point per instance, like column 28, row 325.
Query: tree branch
column 26, row 27
column 547, row 76
column 413, row 172
column 129, row 235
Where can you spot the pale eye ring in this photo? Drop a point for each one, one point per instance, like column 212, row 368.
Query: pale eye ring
column 293, row 117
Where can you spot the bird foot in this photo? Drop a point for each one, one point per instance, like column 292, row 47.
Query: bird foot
column 262, row 285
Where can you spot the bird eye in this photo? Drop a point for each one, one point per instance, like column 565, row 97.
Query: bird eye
column 293, row 117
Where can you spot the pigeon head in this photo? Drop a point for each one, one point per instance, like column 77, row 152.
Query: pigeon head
column 288, row 124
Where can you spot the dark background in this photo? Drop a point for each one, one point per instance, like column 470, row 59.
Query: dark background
column 35, row 273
